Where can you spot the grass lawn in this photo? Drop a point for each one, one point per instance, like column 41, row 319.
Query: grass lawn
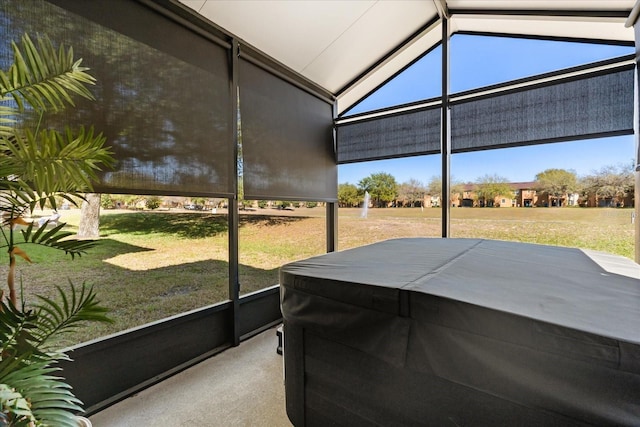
column 604, row 229
column 150, row 265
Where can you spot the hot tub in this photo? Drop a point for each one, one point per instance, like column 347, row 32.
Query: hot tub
column 415, row 332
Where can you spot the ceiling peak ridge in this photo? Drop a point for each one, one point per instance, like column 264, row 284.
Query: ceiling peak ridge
column 442, row 8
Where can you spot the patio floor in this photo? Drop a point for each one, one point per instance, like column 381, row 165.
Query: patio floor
column 242, row 386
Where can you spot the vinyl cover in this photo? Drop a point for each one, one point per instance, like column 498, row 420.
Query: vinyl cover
column 462, row 332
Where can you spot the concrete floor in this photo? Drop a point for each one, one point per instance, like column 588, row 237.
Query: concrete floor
column 242, row 386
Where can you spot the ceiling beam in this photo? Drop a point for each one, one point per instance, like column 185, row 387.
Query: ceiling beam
column 633, row 16
column 591, row 13
column 442, row 8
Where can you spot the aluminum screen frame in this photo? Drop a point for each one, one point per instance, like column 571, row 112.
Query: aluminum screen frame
column 287, row 139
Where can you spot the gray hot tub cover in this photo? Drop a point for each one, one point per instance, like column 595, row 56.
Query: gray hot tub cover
column 551, row 328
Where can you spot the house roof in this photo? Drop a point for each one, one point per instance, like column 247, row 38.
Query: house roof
column 527, row 185
column 350, row 47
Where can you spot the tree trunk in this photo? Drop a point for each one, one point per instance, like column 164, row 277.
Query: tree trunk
column 90, row 217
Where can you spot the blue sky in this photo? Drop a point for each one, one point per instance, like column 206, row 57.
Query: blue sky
column 478, row 61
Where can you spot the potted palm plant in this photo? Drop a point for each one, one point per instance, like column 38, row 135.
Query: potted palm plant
column 36, row 165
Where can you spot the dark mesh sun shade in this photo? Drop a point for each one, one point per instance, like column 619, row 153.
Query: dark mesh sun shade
column 398, row 135
column 287, row 142
column 162, row 97
column 594, row 106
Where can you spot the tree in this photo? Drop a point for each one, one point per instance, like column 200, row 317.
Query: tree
column 89, row 226
column 348, row 195
column 612, row 183
column 434, row 188
column 106, row 202
column 199, row 201
column 411, row 192
column 488, row 187
column 557, row 183
column 153, row 202
column 382, row 187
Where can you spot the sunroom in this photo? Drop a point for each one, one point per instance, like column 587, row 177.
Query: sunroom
column 248, row 101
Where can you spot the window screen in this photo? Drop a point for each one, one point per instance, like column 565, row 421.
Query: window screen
column 162, row 98
column 398, row 135
column 287, row 141
column 593, row 106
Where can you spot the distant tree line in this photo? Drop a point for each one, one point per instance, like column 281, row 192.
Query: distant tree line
column 613, row 183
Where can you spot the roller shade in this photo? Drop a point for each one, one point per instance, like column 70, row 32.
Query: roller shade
column 287, row 140
column 398, row 135
column 162, row 98
column 592, row 106
column 588, row 106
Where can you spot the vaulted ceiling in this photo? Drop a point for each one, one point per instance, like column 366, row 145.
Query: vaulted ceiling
column 349, row 47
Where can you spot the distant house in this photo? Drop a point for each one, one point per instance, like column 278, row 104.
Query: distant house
column 526, row 195
column 573, row 199
column 594, row 201
column 469, row 198
column 430, row 201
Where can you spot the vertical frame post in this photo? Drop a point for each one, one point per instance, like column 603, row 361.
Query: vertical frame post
column 445, row 131
column 234, row 273
column 633, row 20
column 332, row 226
column 332, row 208
column 636, row 129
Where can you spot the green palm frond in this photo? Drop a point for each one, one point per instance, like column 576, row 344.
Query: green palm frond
column 17, row 199
column 17, row 410
column 6, row 119
column 44, row 77
column 54, row 162
column 55, row 318
column 55, row 238
column 16, row 196
column 50, row 399
column 19, row 345
column 27, row 367
column 37, row 165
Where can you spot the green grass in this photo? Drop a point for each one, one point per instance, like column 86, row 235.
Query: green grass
column 150, row 265
column 607, row 230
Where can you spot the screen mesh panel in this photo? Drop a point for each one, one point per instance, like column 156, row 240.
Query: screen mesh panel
column 287, row 141
column 398, row 135
column 598, row 105
column 162, row 98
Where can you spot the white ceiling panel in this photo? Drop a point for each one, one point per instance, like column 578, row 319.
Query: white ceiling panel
column 612, row 29
column 397, row 62
column 394, row 22
column 194, row 4
column 293, row 32
column 333, row 42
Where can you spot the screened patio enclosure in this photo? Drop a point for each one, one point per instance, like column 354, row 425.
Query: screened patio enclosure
column 179, row 77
